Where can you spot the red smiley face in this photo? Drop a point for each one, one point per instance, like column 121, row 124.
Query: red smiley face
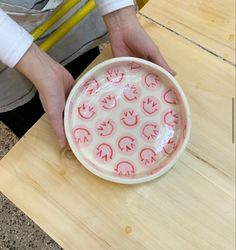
column 105, row 128
column 152, row 81
column 91, row 87
column 148, row 157
column 170, row 96
column 82, row 136
column 130, row 118
column 125, row 168
column 127, row 144
column 150, row 105
column 86, row 111
column 170, row 146
column 150, row 131
column 131, row 92
column 108, row 101
column 115, row 75
column 171, row 119
column 134, row 65
column 104, row 153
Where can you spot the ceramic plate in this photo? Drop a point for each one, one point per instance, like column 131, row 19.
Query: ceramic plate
column 127, row 120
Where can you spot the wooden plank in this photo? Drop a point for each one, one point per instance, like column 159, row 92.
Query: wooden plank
column 209, row 85
column 191, row 207
column 181, row 210
column 210, row 24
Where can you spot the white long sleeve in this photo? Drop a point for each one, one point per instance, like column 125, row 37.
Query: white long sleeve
column 108, row 6
column 14, row 40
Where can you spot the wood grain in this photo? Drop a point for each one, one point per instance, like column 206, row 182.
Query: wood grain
column 210, row 24
column 181, row 210
column 209, row 85
column 191, row 207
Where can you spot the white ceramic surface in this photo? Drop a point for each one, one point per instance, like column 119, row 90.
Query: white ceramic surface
column 127, row 120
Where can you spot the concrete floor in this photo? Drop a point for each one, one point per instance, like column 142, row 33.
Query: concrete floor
column 17, row 231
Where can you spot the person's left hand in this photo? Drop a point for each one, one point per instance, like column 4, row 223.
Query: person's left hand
column 128, row 38
column 53, row 83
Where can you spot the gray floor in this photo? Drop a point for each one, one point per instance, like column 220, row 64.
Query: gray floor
column 17, row 231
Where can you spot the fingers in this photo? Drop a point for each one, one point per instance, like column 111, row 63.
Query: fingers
column 156, row 57
column 57, row 117
column 57, row 123
column 122, row 52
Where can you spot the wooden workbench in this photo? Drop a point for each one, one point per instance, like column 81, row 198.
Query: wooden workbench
column 209, row 24
column 190, row 207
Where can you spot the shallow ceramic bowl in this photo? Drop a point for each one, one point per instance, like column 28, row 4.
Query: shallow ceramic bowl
column 127, row 120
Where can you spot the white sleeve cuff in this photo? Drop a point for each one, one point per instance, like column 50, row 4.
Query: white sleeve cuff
column 14, row 40
column 108, row 6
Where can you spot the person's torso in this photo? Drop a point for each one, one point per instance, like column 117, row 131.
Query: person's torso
column 17, row 90
column 28, row 4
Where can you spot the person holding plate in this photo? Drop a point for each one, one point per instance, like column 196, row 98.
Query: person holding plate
column 32, row 81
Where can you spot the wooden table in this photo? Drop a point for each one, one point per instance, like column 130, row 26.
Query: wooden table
column 190, row 207
column 209, row 24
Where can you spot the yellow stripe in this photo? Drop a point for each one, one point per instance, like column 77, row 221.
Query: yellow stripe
column 69, row 4
column 68, row 25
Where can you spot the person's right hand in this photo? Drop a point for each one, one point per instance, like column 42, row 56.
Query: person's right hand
column 53, row 83
column 128, row 38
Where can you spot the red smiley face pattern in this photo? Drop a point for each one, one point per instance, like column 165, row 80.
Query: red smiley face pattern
column 127, row 121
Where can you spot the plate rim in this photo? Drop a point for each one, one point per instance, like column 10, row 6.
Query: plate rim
column 117, row 179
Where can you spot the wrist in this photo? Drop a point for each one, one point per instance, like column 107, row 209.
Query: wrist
column 35, row 65
column 25, row 64
column 120, row 19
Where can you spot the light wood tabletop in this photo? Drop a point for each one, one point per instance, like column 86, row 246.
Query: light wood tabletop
column 210, row 24
column 190, row 207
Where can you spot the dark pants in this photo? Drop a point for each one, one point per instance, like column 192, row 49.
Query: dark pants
column 21, row 119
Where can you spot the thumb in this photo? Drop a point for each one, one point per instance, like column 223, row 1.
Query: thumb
column 58, row 126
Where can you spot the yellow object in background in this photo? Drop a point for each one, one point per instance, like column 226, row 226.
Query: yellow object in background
column 141, row 3
column 68, row 5
column 69, row 23
column 64, row 28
